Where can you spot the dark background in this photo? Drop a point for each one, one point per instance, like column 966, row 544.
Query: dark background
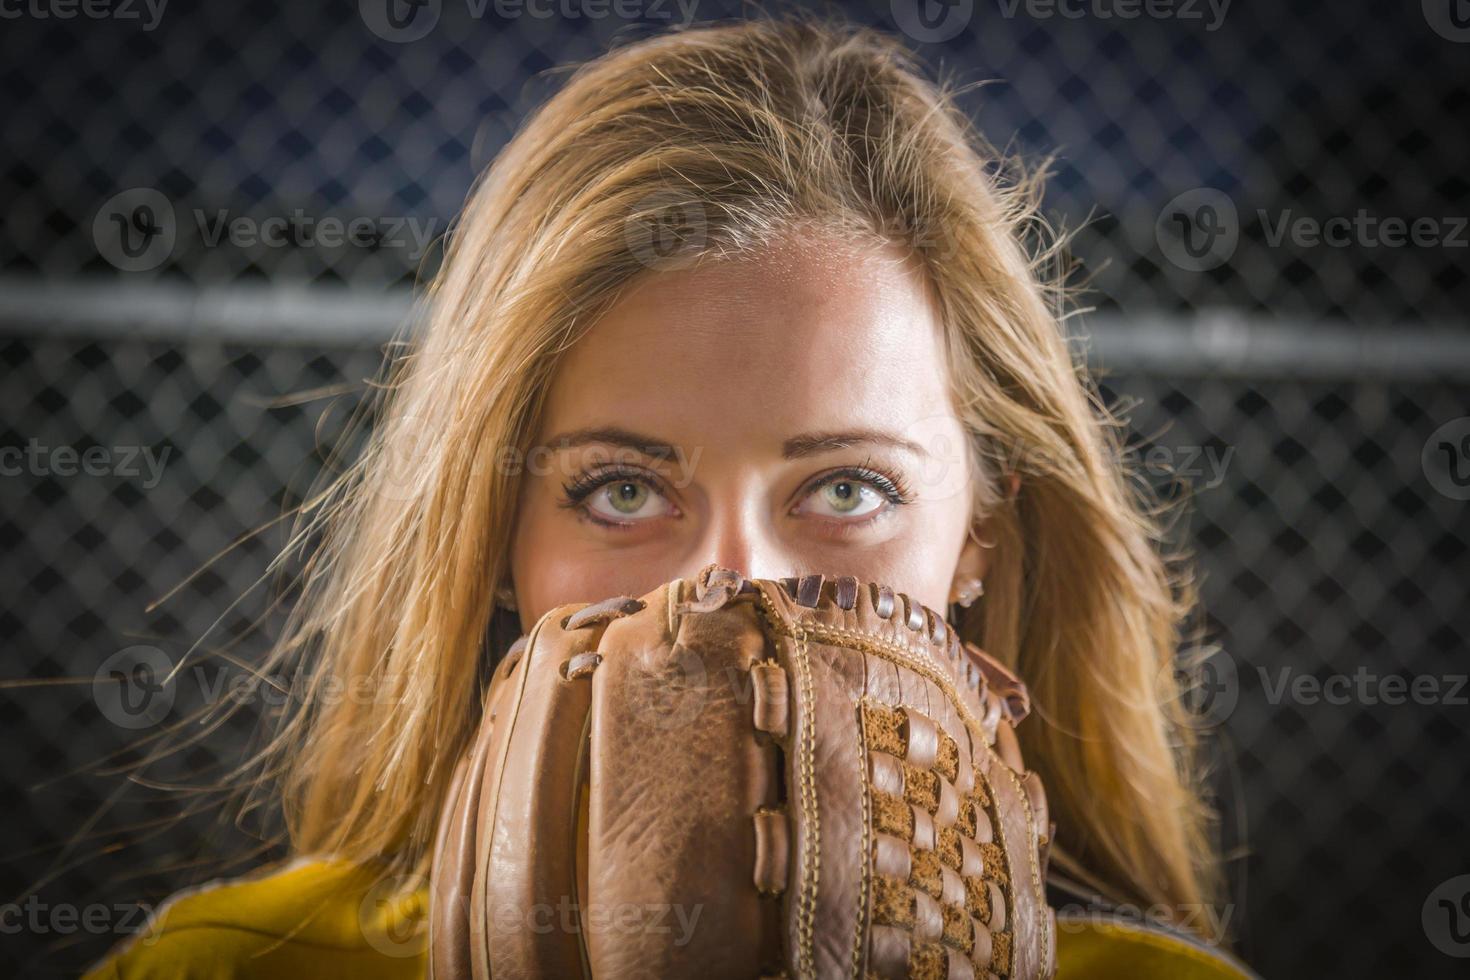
column 1333, row 544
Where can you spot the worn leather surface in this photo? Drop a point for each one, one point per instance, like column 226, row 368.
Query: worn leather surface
column 803, row 778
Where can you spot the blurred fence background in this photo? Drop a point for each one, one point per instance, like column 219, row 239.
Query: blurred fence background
column 1311, row 384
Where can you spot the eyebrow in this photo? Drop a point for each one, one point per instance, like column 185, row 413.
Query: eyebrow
column 797, row 447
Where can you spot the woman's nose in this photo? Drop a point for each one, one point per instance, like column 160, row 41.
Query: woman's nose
column 741, row 541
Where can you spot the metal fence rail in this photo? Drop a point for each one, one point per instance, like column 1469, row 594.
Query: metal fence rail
column 1216, row 343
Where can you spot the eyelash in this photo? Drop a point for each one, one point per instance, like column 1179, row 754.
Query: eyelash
column 586, row 484
column 891, row 485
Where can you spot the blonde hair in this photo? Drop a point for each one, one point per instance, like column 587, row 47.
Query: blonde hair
column 716, row 139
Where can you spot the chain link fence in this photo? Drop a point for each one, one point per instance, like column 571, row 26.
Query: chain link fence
column 212, row 220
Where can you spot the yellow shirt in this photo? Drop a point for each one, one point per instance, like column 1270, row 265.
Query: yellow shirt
column 320, row 920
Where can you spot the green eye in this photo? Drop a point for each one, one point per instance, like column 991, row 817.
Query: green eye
column 844, row 496
column 627, row 497
column 854, row 492
column 617, row 499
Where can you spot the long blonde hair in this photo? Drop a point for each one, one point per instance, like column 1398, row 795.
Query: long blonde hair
column 710, row 141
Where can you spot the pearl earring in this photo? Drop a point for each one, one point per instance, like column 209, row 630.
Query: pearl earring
column 505, row 597
column 966, row 591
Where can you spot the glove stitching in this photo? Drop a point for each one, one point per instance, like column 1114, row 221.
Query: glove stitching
column 1031, row 859
column 922, row 665
column 812, row 857
column 864, row 865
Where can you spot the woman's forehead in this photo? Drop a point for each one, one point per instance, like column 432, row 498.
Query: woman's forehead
column 786, row 341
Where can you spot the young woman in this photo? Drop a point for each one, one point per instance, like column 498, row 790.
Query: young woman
column 754, row 294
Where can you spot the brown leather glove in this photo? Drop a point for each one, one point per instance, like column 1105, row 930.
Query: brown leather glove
column 745, row 778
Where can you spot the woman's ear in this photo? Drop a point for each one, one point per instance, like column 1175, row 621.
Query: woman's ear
column 974, row 561
column 969, row 573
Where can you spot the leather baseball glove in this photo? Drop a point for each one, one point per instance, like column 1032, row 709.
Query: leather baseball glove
column 745, row 778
